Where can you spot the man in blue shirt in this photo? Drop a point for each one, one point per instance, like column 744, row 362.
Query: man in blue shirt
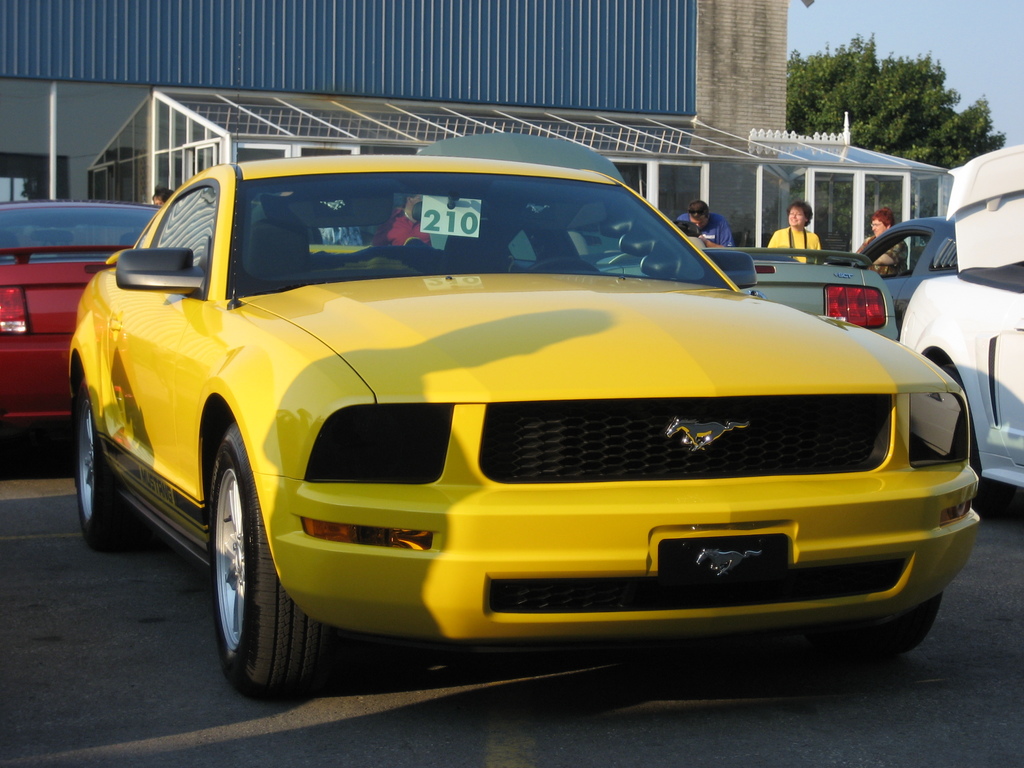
column 714, row 229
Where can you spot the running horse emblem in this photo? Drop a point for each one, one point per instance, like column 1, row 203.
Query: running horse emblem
column 698, row 435
column 721, row 562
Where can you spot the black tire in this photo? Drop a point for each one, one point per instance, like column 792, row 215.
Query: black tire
column 268, row 647
column 993, row 497
column 881, row 641
column 108, row 524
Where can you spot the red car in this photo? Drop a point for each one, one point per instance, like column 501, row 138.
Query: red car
column 48, row 252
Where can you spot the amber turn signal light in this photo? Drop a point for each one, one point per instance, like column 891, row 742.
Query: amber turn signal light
column 399, row 538
column 952, row 514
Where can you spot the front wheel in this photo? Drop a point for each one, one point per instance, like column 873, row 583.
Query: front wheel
column 108, row 525
column 993, row 497
column 881, row 641
column 268, row 646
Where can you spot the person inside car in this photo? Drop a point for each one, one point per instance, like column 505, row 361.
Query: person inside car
column 403, row 225
column 893, row 261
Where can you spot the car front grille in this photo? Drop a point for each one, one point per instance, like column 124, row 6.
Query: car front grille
column 617, row 440
column 647, row 594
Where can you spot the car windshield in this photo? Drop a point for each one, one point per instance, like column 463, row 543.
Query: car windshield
column 60, row 229
column 304, row 230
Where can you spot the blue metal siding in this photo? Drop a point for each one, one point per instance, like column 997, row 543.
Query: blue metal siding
column 120, row 41
column 618, row 55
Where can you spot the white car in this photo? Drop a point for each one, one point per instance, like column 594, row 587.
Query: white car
column 972, row 323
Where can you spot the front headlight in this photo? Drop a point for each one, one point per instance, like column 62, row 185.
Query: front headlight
column 400, row 443
column 938, row 429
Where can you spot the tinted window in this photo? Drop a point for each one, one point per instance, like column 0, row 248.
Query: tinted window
column 315, row 229
column 190, row 222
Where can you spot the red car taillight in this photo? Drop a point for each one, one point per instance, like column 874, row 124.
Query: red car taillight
column 857, row 304
column 12, row 311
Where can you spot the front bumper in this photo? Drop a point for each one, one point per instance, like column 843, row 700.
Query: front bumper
column 597, row 532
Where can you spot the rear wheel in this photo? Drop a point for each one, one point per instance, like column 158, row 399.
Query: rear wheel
column 108, row 525
column 881, row 641
column 993, row 497
column 268, row 647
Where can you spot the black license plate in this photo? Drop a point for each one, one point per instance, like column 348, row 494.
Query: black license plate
column 723, row 559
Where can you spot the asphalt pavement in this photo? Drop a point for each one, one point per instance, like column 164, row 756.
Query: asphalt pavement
column 109, row 660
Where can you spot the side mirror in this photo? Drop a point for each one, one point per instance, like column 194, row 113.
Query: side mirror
column 737, row 265
column 168, row 270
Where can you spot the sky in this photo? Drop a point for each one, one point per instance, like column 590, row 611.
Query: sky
column 979, row 44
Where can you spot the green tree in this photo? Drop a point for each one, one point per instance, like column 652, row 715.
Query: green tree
column 897, row 106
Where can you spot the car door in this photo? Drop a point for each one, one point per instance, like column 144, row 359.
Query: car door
column 146, row 358
column 1008, row 378
column 929, row 253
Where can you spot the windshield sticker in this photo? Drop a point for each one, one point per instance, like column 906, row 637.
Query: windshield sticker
column 450, row 216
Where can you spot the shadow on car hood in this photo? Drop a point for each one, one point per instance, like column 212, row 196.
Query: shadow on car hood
column 522, row 337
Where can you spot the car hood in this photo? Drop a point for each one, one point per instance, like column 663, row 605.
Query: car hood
column 519, row 337
column 987, row 204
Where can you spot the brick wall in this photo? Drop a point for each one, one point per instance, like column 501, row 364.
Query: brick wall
column 741, row 64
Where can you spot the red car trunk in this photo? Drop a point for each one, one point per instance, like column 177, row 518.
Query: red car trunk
column 49, row 250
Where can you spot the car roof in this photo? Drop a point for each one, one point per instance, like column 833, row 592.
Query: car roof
column 22, row 204
column 524, row 148
column 300, row 166
column 927, row 222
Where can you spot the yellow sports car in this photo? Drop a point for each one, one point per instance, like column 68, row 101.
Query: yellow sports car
column 494, row 405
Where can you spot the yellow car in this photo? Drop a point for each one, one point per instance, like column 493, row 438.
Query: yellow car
column 492, row 405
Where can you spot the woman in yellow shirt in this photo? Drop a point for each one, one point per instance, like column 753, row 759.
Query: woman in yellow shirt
column 796, row 235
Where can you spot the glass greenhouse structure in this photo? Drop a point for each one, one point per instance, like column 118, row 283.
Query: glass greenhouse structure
column 670, row 160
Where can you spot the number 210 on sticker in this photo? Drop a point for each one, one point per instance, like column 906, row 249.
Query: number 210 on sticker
column 461, row 219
